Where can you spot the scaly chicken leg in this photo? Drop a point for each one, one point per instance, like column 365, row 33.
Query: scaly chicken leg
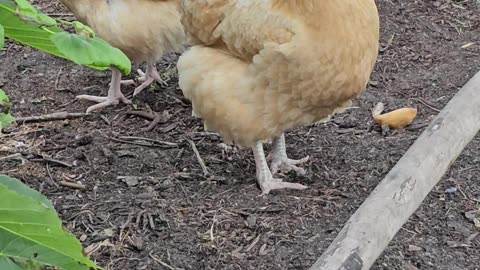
column 280, row 161
column 114, row 96
column 264, row 176
column 147, row 78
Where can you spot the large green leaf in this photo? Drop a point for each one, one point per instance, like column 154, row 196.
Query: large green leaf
column 25, row 24
column 2, row 37
column 89, row 51
column 32, row 234
column 22, row 189
column 27, row 12
column 27, row 33
column 5, row 118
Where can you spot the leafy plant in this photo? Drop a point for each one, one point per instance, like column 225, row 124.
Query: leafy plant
column 31, row 234
column 23, row 23
column 6, row 119
column 2, row 36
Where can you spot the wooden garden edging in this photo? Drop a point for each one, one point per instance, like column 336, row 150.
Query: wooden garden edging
column 369, row 230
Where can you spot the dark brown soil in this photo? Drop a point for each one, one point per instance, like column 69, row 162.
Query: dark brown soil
column 176, row 215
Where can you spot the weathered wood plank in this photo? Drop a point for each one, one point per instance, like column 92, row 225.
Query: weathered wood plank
column 369, row 230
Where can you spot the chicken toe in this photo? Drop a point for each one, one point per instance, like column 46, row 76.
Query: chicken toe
column 280, row 161
column 114, row 96
column 141, row 78
column 147, row 78
column 264, row 177
column 285, row 164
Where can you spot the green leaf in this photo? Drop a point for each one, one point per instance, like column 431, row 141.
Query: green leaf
column 17, row 186
column 6, row 119
column 32, row 234
column 32, row 28
column 25, row 32
column 83, row 29
column 4, row 102
column 89, row 51
column 29, row 13
column 9, row 264
column 2, row 37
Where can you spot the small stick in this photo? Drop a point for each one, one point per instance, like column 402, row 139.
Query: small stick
column 160, row 262
column 150, row 221
column 49, row 159
column 212, row 238
column 199, row 158
column 140, row 143
column 50, row 117
column 72, row 185
column 13, row 156
column 155, row 117
column 22, row 132
column 58, row 79
column 149, row 116
column 63, row 163
column 50, row 176
column 131, row 142
column 148, row 140
column 254, row 242
column 426, row 104
column 53, row 148
column 158, row 118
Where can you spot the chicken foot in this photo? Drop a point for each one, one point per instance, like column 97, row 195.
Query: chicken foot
column 151, row 74
column 264, row 176
column 280, row 161
column 113, row 97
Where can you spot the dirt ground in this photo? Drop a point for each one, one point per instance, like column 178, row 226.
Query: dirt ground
column 147, row 203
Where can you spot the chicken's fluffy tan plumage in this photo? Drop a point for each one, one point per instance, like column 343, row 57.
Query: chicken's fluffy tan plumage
column 259, row 68
column 262, row 67
column 144, row 30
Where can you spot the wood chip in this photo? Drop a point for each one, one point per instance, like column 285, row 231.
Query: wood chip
column 263, row 250
column 255, row 241
column 414, row 248
column 131, row 181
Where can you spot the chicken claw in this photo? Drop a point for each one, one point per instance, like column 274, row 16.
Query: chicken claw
column 142, row 78
column 280, row 161
column 264, row 176
column 114, row 96
column 286, row 165
column 146, row 78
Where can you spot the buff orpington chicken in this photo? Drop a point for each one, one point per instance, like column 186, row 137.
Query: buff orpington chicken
column 259, row 68
column 144, row 30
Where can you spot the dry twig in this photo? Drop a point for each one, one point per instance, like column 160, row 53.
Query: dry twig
column 50, row 117
column 424, row 102
column 146, row 142
column 52, row 160
column 160, row 261
column 155, row 117
column 199, row 158
column 58, row 79
column 72, row 185
column 13, row 156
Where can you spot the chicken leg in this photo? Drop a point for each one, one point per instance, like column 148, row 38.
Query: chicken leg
column 280, row 161
column 147, row 78
column 264, row 176
column 114, row 96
